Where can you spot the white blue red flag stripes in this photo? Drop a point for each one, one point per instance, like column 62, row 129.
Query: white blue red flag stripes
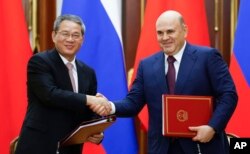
column 102, row 50
column 240, row 69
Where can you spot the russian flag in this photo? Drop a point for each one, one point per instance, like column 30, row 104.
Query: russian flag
column 102, row 50
column 240, row 70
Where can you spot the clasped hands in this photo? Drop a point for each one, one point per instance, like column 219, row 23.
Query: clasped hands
column 99, row 104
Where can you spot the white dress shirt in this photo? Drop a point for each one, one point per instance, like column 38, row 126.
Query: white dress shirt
column 65, row 61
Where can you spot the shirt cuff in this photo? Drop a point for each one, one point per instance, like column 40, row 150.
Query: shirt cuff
column 113, row 107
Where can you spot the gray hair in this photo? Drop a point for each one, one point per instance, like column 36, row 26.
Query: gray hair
column 69, row 17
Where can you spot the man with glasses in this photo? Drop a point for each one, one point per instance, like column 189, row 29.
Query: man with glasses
column 61, row 93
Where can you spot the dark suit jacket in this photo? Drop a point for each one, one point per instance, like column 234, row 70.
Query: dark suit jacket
column 202, row 72
column 54, row 110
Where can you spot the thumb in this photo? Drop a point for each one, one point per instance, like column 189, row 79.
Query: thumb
column 99, row 95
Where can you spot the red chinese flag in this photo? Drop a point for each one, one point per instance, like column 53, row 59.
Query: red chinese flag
column 15, row 52
column 197, row 30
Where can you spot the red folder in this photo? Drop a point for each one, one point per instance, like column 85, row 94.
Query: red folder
column 181, row 111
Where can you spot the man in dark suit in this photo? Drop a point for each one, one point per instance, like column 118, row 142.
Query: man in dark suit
column 59, row 98
column 198, row 71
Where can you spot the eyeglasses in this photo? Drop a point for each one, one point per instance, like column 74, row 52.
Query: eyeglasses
column 67, row 35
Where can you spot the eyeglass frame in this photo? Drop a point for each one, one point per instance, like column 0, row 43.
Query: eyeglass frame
column 67, row 35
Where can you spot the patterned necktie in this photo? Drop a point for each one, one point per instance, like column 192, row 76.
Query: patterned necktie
column 70, row 68
column 171, row 74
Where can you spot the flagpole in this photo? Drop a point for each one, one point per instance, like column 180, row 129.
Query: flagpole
column 142, row 132
column 233, row 19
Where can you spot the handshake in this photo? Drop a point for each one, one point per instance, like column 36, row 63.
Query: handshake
column 99, row 104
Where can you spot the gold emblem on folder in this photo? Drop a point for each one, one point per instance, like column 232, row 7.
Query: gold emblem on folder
column 182, row 115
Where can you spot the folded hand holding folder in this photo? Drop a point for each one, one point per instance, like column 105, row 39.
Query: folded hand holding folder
column 181, row 111
column 86, row 129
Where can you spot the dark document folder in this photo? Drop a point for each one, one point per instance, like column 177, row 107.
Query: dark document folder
column 86, row 129
column 181, row 111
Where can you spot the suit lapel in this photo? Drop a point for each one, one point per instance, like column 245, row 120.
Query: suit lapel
column 159, row 72
column 81, row 78
column 61, row 69
column 186, row 66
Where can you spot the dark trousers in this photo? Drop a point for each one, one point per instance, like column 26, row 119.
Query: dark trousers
column 175, row 147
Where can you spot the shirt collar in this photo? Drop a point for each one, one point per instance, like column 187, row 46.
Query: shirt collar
column 179, row 54
column 65, row 61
